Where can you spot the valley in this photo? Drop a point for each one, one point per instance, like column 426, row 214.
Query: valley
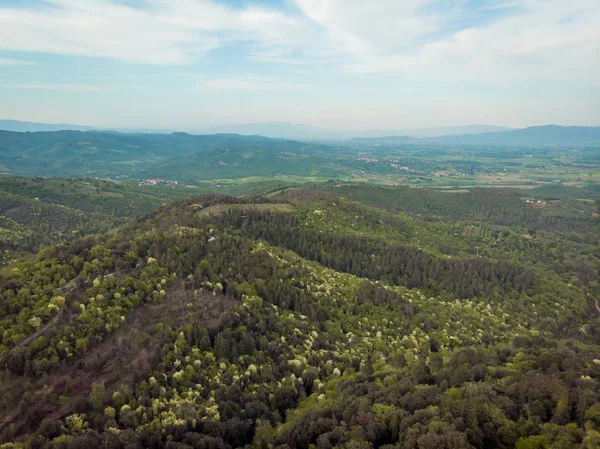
column 213, row 161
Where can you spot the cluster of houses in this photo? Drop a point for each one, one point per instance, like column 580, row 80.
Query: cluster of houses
column 157, row 182
column 400, row 167
column 536, row 203
column 370, row 160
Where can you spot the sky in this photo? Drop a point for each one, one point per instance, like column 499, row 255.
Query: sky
column 341, row 64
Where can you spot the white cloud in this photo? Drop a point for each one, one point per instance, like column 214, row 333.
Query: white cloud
column 535, row 40
column 53, row 86
column 7, row 62
column 161, row 32
column 249, row 84
column 363, row 27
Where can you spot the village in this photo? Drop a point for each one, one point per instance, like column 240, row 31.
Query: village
column 157, row 182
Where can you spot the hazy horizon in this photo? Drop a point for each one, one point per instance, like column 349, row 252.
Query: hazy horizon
column 365, row 65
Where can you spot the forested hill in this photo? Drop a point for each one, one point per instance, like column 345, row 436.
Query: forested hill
column 305, row 320
column 111, row 154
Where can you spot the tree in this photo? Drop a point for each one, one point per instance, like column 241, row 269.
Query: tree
column 97, row 396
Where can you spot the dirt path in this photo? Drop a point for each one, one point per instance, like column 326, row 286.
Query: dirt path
column 32, row 337
column 99, row 278
column 71, row 287
column 597, row 306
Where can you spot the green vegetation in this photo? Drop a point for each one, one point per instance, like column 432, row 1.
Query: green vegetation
column 349, row 316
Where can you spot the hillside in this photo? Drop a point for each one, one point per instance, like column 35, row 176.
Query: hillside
column 308, row 319
column 39, row 212
column 253, row 160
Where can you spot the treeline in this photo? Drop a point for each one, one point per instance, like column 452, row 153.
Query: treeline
column 494, row 206
column 376, row 259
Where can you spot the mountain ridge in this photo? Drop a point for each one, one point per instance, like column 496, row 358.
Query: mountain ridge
column 533, row 135
column 268, row 129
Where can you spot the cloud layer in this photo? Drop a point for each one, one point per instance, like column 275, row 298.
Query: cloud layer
column 479, row 41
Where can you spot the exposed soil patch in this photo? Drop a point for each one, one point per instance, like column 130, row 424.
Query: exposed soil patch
column 15, row 212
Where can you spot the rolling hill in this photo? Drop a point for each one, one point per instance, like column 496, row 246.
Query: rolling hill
column 104, row 154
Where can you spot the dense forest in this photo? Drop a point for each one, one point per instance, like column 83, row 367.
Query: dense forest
column 325, row 317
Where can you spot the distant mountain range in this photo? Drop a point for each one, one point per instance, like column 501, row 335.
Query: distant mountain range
column 20, row 126
column 461, row 135
column 269, row 129
column 422, row 133
column 306, row 132
column 387, row 140
column 532, row 136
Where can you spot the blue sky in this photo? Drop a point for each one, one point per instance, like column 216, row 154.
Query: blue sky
column 351, row 64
